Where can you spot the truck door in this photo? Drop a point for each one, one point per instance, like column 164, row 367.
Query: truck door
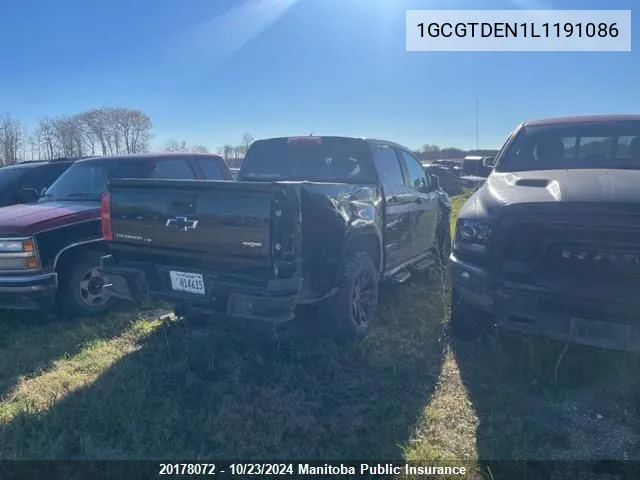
column 398, row 206
column 425, row 202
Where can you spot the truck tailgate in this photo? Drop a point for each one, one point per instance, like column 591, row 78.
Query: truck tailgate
column 218, row 222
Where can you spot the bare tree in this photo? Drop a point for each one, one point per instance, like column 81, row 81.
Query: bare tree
column 95, row 121
column 46, row 138
column 131, row 130
column 227, row 150
column 32, row 147
column 87, row 137
column 238, row 153
column 11, row 139
column 246, row 142
column 199, row 149
column 115, row 130
column 68, row 133
column 175, row 146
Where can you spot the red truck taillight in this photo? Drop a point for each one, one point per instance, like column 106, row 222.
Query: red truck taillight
column 105, row 216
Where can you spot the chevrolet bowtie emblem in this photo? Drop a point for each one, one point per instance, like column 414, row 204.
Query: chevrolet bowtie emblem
column 182, row 223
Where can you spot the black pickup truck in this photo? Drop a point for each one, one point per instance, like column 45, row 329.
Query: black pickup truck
column 550, row 244
column 311, row 220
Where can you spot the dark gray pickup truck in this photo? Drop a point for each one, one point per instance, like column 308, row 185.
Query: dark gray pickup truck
column 311, row 220
column 550, row 244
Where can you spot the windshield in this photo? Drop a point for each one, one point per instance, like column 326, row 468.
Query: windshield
column 319, row 159
column 87, row 180
column 574, row 146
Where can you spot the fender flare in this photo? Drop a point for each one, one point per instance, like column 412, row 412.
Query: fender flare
column 72, row 246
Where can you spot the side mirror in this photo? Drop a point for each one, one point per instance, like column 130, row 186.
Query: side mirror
column 487, row 166
column 28, row 195
column 489, row 162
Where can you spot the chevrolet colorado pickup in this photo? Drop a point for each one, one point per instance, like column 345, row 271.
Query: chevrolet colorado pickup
column 50, row 249
column 550, row 244
column 310, row 220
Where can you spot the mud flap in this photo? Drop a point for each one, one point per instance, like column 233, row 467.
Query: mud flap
column 119, row 287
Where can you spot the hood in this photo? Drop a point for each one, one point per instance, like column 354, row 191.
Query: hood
column 29, row 219
column 596, row 185
column 569, row 187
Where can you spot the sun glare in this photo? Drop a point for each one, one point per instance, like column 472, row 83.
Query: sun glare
column 223, row 35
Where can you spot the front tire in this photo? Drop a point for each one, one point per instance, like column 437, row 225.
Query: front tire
column 444, row 240
column 348, row 315
column 82, row 290
column 465, row 322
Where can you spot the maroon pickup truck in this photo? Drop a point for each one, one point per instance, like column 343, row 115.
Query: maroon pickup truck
column 50, row 250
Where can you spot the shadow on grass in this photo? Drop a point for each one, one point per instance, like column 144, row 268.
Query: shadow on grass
column 31, row 341
column 532, row 407
column 210, row 393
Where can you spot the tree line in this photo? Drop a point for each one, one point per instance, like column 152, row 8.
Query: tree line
column 434, row 152
column 233, row 154
column 98, row 131
column 117, row 130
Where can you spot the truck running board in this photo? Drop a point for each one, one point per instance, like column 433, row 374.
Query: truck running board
column 400, row 276
column 423, row 264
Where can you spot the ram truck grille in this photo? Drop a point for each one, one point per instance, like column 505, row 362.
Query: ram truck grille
column 593, row 259
column 554, row 247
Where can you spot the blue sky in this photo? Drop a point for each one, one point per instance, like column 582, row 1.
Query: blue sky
column 206, row 71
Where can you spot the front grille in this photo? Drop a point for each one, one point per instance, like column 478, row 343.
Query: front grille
column 600, row 246
column 602, row 260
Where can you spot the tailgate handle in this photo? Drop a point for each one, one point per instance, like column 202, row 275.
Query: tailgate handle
column 184, row 205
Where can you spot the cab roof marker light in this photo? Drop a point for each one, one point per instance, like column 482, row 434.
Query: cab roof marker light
column 293, row 140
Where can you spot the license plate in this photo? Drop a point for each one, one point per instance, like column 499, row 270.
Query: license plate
column 596, row 332
column 187, row 282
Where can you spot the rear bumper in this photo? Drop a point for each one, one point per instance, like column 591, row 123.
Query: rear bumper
column 539, row 311
column 237, row 297
column 33, row 292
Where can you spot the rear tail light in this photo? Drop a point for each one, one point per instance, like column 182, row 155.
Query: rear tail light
column 105, row 216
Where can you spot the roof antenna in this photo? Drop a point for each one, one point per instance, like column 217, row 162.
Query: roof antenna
column 311, row 134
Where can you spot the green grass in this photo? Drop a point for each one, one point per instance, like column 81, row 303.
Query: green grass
column 146, row 386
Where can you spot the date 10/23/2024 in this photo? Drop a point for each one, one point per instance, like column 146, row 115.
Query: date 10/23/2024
column 211, row 469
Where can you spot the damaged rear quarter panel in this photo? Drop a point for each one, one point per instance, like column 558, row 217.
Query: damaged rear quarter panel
column 336, row 216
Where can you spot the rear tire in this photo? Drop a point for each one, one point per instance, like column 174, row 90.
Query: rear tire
column 81, row 290
column 348, row 315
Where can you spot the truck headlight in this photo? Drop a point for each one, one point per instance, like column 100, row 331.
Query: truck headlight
column 471, row 235
column 18, row 254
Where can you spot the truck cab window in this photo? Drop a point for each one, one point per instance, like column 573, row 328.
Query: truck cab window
column 173, row 168
column 210, row 167
column 388, row 165
column 416, row 177
column 43, row 177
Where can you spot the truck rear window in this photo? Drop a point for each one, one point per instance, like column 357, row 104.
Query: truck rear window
column 318, row 159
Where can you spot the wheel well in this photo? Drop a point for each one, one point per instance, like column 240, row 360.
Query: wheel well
column 367, row 243
column 74, row 251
